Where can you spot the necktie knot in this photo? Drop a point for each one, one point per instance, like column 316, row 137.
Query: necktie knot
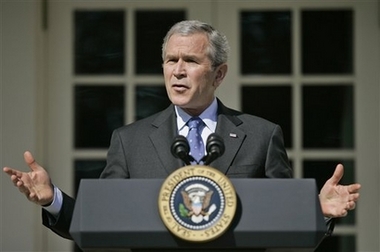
column 194, row 137
column 194, row 123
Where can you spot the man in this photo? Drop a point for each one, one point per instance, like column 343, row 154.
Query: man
column 194, row 64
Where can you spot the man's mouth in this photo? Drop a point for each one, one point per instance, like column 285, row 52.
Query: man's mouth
column 179, row 87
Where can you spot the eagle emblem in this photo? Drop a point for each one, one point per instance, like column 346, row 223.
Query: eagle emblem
column 196, row 203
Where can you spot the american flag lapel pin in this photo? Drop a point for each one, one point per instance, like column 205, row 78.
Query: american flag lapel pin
column 233, row 135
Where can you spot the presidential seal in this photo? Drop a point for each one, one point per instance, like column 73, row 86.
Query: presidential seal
column 197, row 203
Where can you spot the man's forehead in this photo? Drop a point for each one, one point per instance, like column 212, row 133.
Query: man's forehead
column 194, row 44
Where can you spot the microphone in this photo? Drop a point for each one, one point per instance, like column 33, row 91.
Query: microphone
column 180, row 149
column 215, row 148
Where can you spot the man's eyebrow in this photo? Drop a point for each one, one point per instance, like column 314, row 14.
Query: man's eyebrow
column 170, row 55
column 186, row 56
column 190, row 56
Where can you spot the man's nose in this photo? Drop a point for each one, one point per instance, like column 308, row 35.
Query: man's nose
column 179, row 70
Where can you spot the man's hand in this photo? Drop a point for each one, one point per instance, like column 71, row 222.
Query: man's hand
column 336, row 200
column 36, row 184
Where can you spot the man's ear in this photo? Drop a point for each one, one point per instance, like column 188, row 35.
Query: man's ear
column 221, row 72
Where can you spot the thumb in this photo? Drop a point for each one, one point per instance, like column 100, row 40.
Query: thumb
column 338, row 174
column 30, row 161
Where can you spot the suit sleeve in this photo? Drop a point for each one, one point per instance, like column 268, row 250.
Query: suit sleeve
column 116, row 161
column 60, row 224
column 277, row 163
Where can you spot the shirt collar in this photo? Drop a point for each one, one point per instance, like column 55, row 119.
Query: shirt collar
column 209, row 116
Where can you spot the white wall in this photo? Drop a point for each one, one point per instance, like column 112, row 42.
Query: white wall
column 20, row 219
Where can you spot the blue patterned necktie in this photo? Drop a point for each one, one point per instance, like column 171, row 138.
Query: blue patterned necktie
column 197, row 149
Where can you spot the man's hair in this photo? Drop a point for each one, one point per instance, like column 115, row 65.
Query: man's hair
column 218, row 48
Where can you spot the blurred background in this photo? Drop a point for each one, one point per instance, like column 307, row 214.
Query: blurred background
column 73, row 71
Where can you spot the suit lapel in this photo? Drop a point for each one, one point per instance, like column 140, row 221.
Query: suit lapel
column 162, row 138
column 227, row 128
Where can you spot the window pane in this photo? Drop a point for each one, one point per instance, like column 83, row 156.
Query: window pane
column 271, row 103
column 341, row 243
column 265, row 42
column 98, row 111
column 327, row 42
column 328, row 117
column 150, row 100
column 151, row 27
column 323, row 170
column 99, row 42
column 87, row 169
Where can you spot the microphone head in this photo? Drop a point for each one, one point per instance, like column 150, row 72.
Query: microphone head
column 215, row 148
column 215, row 145
column 180, row 147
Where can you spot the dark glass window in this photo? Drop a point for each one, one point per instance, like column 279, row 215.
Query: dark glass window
column 265, row 42
column 341, row 243
column 87, row 169
column 150, row 100
column 98, row 111
column 273, row 103
column 328, row 117
column 322, row 170
column 99, row 42
column 327, row 41
column 151, row 28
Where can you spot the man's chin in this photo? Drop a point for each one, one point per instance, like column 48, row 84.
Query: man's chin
column 182, row 103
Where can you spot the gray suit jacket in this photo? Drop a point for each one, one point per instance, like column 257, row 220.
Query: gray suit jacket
column 254, row 149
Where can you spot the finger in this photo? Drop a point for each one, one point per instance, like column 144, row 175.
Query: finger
column 30, row 161
column 15, row 175
column 354, row 188
column 338, row 174
column 7, row 170
column 18, row 182
column 354, row 197
column 15, row 179
column 33, row 197
column 11, row 172
column 343, row 213
column 352, row 205
column 21, row 187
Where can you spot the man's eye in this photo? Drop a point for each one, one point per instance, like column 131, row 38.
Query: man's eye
column 191, row 61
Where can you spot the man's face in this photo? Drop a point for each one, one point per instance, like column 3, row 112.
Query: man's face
column 189, row 77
